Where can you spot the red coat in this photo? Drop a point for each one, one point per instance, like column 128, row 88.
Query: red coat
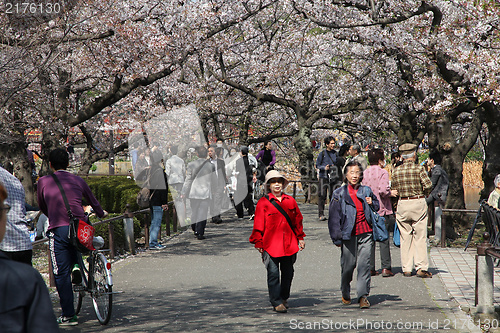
column 272, row 232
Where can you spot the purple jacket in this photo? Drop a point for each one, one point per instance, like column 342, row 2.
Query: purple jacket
column 260, row 155
column 378, row 180
column 51, row 202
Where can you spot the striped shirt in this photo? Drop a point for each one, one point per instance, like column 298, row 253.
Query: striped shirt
column 17, row 237
column 411, row 179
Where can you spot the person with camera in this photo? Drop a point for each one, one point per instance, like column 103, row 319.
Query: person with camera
column 329, row 175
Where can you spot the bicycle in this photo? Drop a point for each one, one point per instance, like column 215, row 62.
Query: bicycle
column 96, row 281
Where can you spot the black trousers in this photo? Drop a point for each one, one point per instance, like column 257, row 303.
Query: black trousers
column 248, row 202
column 325, row 187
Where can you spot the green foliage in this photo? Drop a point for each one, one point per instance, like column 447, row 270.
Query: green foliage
column 317, row 31
column 474, row 155
column 119, row 235
column 114, row 192
column 423, row 156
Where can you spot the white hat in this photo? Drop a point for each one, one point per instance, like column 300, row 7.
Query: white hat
column 275, row 174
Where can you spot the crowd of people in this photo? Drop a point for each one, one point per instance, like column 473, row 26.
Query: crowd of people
column 204, row 182
column 400, row 192
column 219, row 176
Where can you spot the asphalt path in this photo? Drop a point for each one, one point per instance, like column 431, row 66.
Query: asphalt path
column 219, row 285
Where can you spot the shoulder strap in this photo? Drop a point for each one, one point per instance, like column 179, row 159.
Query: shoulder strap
column 334, row 160
column 199, row 169
column 66, row 203
column 282, row 211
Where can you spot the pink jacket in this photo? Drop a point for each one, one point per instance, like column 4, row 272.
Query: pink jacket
column 378, row 180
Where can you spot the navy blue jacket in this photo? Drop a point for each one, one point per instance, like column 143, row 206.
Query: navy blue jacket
column 342, row 212
column 25, row 304
column 326, row 158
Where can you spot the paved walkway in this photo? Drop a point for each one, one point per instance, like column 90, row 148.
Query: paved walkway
column 219, row 285
column 456, row 269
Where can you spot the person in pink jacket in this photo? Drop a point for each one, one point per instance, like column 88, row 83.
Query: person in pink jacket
column 377, row 178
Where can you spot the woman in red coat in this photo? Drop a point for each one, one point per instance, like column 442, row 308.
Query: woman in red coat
column 277, row 239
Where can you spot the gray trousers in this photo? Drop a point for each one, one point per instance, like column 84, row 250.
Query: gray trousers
column 385, row 246
column 356, row 253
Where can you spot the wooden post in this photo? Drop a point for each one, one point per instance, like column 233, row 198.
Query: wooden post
column 111, row 233
column 146, row 233
column 167, row 222
column 128, row 230
column 294, row 189
column 309, row 192
column 174, row 216
column 443, row 230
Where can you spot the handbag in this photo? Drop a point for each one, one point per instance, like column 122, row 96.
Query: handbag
column 145, row 194
column 396, row 236
column 81, row 233
column 380, row 233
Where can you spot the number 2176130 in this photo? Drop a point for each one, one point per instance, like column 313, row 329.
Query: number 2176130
column 31, row 8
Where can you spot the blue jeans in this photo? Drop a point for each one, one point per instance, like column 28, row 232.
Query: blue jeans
column 279, row 292
column 156, row 217
column 64, row 256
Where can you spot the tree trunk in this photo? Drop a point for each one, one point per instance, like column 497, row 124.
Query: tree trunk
column 453, row 159
column 303, row 146
column 15, row 152
column 50, row 141
column 491, row 165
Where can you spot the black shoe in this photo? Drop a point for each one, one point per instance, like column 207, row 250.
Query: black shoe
column 200, row 237
column 76, row 275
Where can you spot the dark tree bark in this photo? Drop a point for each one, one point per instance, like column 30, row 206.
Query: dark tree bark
column 491, row 165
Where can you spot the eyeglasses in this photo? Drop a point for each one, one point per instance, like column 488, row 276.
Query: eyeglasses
column 275, row 180
column 6, row 208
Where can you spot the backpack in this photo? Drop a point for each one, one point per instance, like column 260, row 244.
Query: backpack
column 144, row 197
column 145, row 194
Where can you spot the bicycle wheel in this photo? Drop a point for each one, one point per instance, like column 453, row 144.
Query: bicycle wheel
column 77, row 299
column 79, row 289
column 101, row 293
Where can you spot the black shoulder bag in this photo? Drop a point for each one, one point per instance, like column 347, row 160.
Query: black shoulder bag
column 81, row 233
column 282, row 211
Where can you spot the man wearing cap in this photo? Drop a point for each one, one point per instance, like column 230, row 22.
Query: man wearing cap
column 413, row 185
column 278, row 235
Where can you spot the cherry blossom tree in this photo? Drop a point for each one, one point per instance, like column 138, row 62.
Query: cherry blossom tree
column 96, row 54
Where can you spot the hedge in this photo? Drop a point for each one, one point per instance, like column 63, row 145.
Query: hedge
column 115, row 192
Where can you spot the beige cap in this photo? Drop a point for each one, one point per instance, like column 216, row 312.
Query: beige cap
column 407, row 148
column 275, row 174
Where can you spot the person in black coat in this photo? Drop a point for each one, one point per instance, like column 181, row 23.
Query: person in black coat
column 158, row 186
column 244, row 187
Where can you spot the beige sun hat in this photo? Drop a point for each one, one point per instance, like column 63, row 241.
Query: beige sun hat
column 275, row 174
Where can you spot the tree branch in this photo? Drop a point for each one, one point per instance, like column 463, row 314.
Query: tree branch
column 424, row 8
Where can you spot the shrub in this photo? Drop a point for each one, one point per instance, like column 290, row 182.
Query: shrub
column 114, row 192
